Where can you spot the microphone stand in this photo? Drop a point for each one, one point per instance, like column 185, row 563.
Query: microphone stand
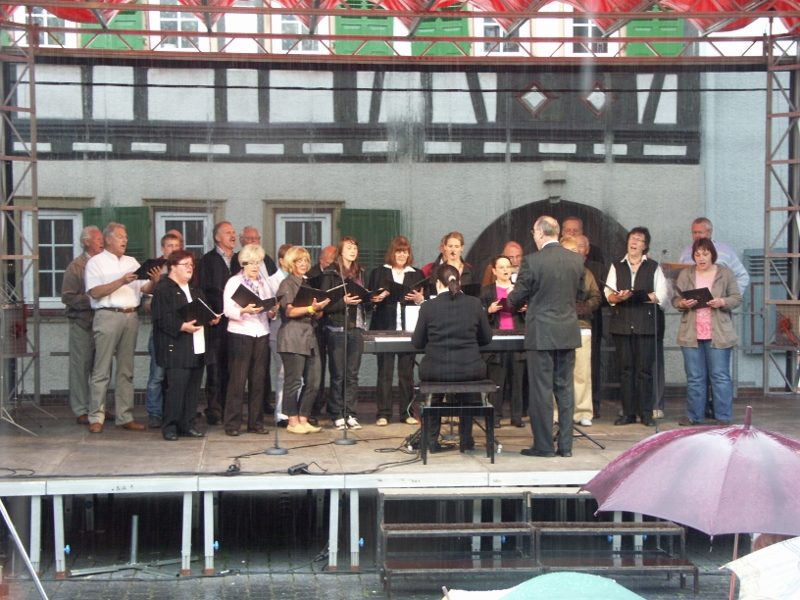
column 276, row 450
column 344, row 440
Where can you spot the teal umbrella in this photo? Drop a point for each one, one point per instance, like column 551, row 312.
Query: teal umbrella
column 569, row 586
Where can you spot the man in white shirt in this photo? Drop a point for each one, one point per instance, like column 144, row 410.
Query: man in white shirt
column 115, row 294
column 703, row 228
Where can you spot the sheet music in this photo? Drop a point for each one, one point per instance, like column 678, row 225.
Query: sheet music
column 412, row 314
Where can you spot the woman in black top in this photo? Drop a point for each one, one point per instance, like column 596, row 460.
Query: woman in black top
column 344, row 369
column 181, row 348
column 451, row 328
column 506, row 369
column 389, row 313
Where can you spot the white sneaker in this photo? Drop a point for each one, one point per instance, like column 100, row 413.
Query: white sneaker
column 411, row 421
column 381, row 422
column 586, row 422
column 658, row 414
column 352, row 423
column 339, row 423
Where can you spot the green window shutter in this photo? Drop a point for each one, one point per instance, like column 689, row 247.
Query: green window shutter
column 442, row 26
column 374, row 230
column 655, row 28
column 136, row 220
column 126, row 19
column 346, row 25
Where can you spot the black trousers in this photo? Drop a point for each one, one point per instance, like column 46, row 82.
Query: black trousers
column 635, row 357
column 180, row 399
column 464, row 423
column 507, row 371
column 246, row 366
column 405, row 381
column 550, row 373
column 217, row 374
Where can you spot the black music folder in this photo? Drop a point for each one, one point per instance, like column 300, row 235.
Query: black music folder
column 306, row 295
column 243, row 296
column 150, row 263
column 702, row 295
column 356, row 289
column 639, row 296
column 399, row 291
column 198, row 311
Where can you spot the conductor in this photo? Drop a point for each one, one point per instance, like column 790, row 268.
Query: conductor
column 549, row 281
column 451, row 328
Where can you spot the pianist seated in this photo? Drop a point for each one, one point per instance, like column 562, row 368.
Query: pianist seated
column 506, row 369
column 450, row 329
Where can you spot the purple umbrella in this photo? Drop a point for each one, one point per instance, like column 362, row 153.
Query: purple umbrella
column 735, row 479
column 718, row 480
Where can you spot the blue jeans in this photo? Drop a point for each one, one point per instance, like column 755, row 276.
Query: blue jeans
column 155, row 384
column 705, row 365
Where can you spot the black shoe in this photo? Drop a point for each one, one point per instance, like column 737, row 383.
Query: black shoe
column 625, row 420
column 259, row 430
column 596, row 414
column 232, row 432
column 194, row 433
column 154, row 422
column 685, row 421
column 535, row 452
column 648, row 421
column 284, row 423
column 313, row 421
column 171, row 436
column 469, row 445
column 435, row 448
column 517, row 423
column 565, row 453
column 212, row 419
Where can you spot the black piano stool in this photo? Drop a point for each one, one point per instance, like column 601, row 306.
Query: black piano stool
column 484, row 409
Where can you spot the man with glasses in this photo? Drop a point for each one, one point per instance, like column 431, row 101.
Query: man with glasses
column 115, row 293
column 215, row 268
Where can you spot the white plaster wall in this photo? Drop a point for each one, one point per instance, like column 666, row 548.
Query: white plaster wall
column 113, row 101
column 61, row 101
column 181, row 103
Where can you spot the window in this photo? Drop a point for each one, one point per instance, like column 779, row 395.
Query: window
column 312, row 231
column 177, row 21
column 42, row 18
column 491, row 28
column 59, row 244
column 291, row 24
column 584, row 28
column 195, row 227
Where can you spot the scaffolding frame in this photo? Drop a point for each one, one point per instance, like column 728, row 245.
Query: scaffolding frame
column 19, row 259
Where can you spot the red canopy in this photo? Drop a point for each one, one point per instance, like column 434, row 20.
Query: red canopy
column 82, row 15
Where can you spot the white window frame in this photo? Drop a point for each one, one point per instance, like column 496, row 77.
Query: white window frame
column 484, row 24
column 43, row 18
column 182, row 18
column 584, row 25
column 49, row 302
column 161, row 218
column 278, row 21
column 281, row 219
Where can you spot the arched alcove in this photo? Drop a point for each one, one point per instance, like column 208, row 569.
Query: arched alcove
column 601, row 229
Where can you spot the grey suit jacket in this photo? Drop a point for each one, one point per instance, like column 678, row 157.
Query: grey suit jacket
column 550, row 281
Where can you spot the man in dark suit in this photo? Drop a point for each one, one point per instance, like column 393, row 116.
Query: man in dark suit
column 215, row 268
column 550, row 282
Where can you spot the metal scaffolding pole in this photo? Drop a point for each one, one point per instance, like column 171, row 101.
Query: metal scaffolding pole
column 781, row 312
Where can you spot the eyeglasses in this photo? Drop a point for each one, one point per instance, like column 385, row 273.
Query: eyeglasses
column 252, row 263
column 186, row 264
column 637, row 240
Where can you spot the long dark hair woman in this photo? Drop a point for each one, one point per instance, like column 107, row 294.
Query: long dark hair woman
column 182, row 348
column 451, row 328
column 389, row 313
column 346, row 312
column 506, row 369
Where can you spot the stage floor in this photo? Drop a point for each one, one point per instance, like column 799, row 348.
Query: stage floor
column 62, row 449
